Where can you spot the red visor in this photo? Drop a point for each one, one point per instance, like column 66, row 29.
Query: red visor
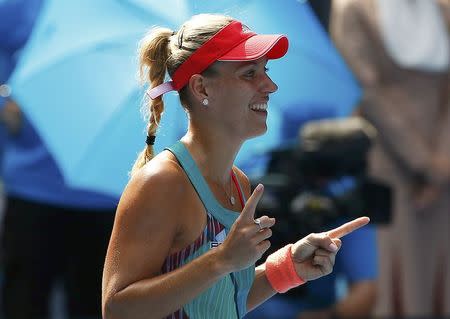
column 232, row 43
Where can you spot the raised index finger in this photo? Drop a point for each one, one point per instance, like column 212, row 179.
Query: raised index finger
column 248, row 213
column 347, row 228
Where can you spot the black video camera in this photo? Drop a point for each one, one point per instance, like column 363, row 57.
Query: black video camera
column 313, row 184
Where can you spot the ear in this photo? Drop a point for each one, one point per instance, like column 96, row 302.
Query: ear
column 197, row 86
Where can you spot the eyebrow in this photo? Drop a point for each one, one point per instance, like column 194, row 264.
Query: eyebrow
column 249, row 64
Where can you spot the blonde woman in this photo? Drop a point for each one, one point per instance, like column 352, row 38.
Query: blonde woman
column 185, row 240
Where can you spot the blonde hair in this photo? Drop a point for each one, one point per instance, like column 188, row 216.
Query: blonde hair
column 163, row 50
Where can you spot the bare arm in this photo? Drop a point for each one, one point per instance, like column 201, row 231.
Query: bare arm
column 147, row 223
column 143, row 234
column 261, row 289
column 158, row 296
column 305, row 254
column 313, row 257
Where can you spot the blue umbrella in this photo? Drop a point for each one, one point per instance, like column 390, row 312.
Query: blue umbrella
column 76, row 79
column 77, row 83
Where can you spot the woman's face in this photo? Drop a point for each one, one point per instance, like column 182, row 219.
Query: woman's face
column 239, row 94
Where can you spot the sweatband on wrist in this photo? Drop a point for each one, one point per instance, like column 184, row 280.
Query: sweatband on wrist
column 280, row 270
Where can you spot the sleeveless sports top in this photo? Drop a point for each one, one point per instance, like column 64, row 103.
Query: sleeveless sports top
column 227, row 298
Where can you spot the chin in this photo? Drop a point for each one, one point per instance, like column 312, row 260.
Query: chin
column 258, row 132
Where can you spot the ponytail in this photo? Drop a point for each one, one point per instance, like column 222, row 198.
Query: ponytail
column 161, row 51
column 153, row 56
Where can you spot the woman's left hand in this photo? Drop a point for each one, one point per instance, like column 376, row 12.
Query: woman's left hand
column 314, row 255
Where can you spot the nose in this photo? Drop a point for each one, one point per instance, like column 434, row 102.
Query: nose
column 269, row 86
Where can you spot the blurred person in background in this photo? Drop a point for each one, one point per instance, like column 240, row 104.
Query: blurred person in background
column 399, row 50
column 51, row 231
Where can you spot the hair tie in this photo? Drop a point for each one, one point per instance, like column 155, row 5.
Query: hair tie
column 150, row 140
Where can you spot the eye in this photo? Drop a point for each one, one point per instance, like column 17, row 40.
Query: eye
column 250, row 73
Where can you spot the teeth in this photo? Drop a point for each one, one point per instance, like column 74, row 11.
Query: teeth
column 259, row 107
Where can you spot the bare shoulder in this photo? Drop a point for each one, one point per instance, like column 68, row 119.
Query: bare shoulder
column 146, row 222
column 243, row 180
column 153, row 186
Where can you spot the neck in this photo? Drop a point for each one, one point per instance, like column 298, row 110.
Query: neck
column 214, row 153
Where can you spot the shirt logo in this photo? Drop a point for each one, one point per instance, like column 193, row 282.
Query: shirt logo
column 218, row 239
column 214, row 244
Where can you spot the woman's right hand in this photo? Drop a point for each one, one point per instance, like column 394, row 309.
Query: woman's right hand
column 247, row 241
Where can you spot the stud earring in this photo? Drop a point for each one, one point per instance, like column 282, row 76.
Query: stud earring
column 205, row 101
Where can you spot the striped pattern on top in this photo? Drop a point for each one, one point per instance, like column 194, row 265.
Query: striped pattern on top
column 227, row 297
column 178, row 259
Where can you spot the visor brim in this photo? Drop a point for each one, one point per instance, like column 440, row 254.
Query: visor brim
column 273, row 46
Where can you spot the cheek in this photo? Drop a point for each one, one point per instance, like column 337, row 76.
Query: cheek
column 238, row 95
column 233, row 95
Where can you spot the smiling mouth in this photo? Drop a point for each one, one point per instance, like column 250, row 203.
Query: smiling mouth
column 260, row 107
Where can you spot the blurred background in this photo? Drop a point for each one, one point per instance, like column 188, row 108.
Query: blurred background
column 360, row 125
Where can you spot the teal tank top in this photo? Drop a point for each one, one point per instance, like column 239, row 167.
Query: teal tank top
column 227, row 298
